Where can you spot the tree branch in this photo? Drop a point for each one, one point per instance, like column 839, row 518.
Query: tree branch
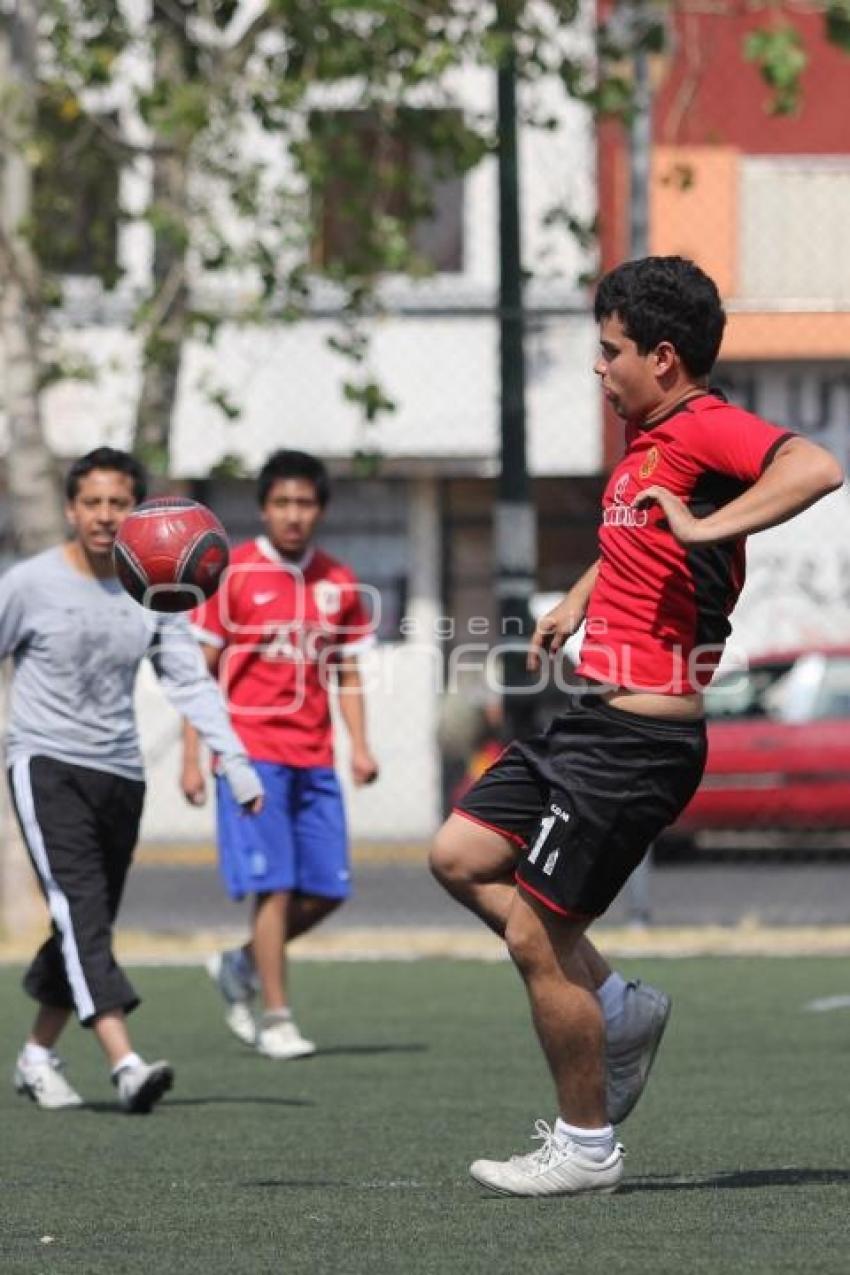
column 171, row 11
column 162, row 302
column 17, row 269
column 235, row 56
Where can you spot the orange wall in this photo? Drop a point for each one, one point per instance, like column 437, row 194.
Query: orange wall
column 694, row 208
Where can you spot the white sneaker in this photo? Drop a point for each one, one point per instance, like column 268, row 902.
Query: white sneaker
column 241, row 1021
column 280, row 1039
column 557, row 1168
column 141, row 1086
column 238, row 989
column 45, row 1084
column 631, row 1048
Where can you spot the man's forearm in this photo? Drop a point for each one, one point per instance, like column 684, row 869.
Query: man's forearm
column 191, row 744
column 352, row 706
column 799, row 476
column 585, row 584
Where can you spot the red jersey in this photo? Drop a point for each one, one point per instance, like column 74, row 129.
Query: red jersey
column 658, row 615
column 282, row 627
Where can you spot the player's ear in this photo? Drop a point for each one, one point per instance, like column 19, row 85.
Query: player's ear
column 666, row 357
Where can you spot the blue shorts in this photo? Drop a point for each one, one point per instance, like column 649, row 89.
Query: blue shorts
column 297, row 842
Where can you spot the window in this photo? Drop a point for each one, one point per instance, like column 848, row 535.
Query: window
column 746, row 693
column 403, row 171
column 794, row 217
column 75, row 194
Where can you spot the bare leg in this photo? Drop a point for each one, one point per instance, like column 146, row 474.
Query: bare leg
column 268, row 947
column 109, row 1028
column 476, row 866
column 564, row 1008
column 111, row 1031
column 50, row 1022
column 304, row 912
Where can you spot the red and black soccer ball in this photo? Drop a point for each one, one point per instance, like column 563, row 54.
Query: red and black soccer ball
column 170, row 553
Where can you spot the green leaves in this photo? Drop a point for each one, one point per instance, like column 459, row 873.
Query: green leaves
column 837, row 22
column 781, row 58
column 311, row 144
column 370, row 397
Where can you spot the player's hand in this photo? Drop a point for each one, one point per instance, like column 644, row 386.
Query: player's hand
column 364, row 768
column 193, row 784
column 253, row 807
column 553, row 629
column 687, row 529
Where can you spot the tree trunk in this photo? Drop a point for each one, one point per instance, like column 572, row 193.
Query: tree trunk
column 166, row 327
column 32, row 475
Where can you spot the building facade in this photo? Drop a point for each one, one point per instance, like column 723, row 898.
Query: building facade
column 418, row 528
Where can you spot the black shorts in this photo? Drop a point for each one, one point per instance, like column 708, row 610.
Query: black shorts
column 585, row 800
column 80, row 827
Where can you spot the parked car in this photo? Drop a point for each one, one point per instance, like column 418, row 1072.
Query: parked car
column 778, row 747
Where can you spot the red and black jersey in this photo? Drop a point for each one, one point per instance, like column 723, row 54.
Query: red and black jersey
column 659, row 613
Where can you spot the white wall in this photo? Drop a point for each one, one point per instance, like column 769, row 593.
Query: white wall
column 798, row 582
column 442, row 372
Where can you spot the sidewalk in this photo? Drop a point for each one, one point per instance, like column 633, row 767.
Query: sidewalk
column 176, row 912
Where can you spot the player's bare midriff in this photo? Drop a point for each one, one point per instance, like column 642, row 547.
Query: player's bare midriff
column 682, row 708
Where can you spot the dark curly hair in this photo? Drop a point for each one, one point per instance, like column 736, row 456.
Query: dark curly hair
column 291, row 464
column 107, row 458
column 665, row 299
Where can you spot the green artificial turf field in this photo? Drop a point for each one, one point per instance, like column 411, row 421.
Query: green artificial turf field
column 355, row 1160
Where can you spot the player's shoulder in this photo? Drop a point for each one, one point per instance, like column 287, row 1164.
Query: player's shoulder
column 247, row 551
column 30, row 572
column 714, row 408
column 323, row 566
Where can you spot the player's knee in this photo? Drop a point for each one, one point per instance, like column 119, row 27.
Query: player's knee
column 447, row 862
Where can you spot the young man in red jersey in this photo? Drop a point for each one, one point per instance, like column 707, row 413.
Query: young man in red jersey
column 549, row 835
column 287, row 623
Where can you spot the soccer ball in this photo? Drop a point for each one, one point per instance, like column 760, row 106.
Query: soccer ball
column 170, row 553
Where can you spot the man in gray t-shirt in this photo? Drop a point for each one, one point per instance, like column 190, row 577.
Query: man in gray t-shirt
column 75, row 767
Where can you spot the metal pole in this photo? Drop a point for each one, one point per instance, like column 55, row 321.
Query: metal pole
column 638, row 887
column 640, row 151
column 515, row 524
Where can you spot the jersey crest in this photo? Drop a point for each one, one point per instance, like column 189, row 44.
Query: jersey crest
column 650, row 463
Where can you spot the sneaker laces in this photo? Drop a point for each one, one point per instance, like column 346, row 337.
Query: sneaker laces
column 551, row 1148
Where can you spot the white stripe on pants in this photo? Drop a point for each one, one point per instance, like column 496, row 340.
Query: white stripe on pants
column 56, row 901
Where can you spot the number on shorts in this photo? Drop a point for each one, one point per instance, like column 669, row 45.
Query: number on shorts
column 546, row 826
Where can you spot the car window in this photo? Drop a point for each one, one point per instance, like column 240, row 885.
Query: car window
column 833, row 698
column 748, row 693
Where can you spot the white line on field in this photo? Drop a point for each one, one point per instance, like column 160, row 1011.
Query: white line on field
column 824, row 1004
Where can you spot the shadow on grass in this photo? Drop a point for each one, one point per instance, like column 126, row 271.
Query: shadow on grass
column 399, row 1184
column 741, row 1179
column 228, row 1100
column 330, row 1051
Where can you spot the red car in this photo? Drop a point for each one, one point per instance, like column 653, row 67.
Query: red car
column 779, row 746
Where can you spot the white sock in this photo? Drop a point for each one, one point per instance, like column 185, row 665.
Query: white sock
column 129, row 1060
column 32, row 1053
column 596, row 1144
column 277, row 1016
column 612, row 995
